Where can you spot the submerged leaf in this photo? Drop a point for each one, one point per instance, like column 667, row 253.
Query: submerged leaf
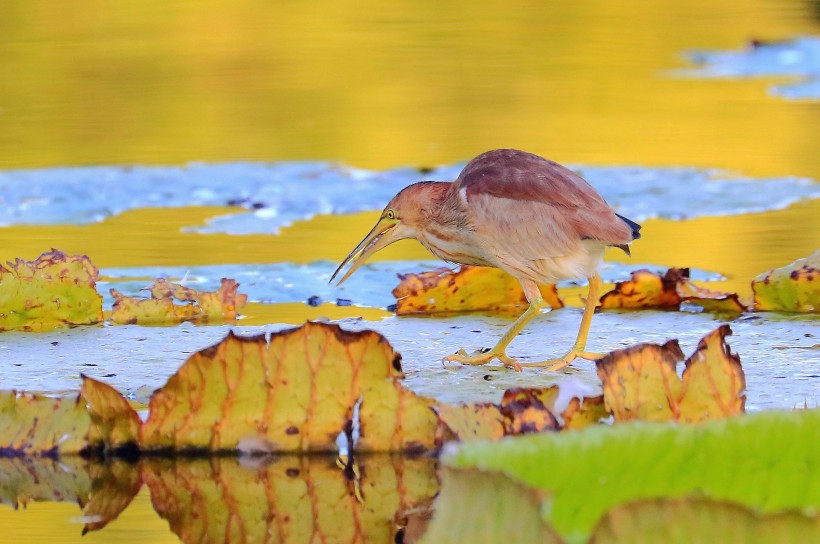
column 296, row 392
column 37, row 425
column 793, row 288
column 471, row 288
column 161, row 308
column 702, row 520
column 641, row 381
column 52, row 291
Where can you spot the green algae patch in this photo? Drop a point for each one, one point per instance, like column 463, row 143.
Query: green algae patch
column 764, row 461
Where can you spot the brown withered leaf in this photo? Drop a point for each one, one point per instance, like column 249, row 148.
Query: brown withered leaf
column 288, row 498
column 470, row 288
column 641, row 382
column 114, row 423
column 35, row 425
column 650, row 290
column 296, row 392
column 54, row 290
column 581, row 413
column 792, row 288
column 526, row 410
column 222, row 304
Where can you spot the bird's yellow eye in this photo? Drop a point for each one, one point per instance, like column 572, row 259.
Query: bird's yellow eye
column 390, row 214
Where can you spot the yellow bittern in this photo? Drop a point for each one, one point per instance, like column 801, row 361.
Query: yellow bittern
column 531, row 217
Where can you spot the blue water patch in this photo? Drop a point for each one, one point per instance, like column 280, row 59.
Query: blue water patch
column 273, row 283
column 271, row 196
column 799, row 58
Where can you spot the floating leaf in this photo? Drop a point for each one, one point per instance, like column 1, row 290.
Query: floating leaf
column 52, row 291
column 641, row 382
column 161, row 308
column 581, row 413
column 793, row 288
column 527, row 412
column 114, row 423
column 39, row 425
column 296, row 392
column 287, row 499
column 764, row 460
column 650, row 290
column 471, row 288
column 487, row 507
column 703, row 520
column 467, row 422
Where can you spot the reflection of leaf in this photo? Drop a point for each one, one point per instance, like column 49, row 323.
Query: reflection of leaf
column 115, row 483
column 114, row 423
column 702, row 520
column 764, row 460
column 487, row 507
column 54, row 290
column 38, row 425
column 641, row 382
column 793, row 288
column 286, row 499
column 468, row 289
column 296, row 392
column 26, row 479
column 649, row 290
column 160, row 308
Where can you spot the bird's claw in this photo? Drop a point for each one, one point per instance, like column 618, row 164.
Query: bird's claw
column 483, row 357
column 564, row 361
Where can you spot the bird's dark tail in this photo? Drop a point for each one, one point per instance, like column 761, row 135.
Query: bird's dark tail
column 636, row 228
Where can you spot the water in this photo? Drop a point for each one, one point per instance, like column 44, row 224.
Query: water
column 363, row 99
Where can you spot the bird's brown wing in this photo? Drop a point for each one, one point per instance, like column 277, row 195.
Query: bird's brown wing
column 536, row 207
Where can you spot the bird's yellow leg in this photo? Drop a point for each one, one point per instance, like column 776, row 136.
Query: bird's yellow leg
column 499, row 351
column 583, row 331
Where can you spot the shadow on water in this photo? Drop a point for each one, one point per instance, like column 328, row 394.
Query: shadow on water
column 379, row 498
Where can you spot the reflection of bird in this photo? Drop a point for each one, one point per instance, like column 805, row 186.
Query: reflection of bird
column 531, row 217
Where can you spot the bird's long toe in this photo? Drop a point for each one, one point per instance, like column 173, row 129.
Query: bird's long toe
column 482, row 358
column 564, row 361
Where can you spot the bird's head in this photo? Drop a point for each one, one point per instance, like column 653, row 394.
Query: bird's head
column 403, row 216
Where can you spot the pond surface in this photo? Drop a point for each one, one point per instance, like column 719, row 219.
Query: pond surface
column 255, row 140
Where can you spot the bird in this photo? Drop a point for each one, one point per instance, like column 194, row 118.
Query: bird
column 535, row 219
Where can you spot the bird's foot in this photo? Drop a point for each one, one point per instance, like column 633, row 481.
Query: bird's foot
column 482, row 358
column 565, row 360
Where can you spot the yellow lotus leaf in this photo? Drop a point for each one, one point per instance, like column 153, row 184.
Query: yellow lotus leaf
column 646, row 290
column 526, row 410
column 641, row 382
column 295, row 392
column 581, row 413
column 793, row 288
column 709, row 300
column 287, row 498
column 471, row 288
column 114, row 423
column 55, row 290
column 41, row 426
column 467, row 422
column 713, row 381
column 161, row 308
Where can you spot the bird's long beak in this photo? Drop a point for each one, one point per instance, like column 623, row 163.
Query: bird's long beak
column 382, row 235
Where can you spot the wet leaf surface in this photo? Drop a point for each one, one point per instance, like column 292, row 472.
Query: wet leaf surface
column 221, row 304
column 641, row 382
column 54, row 290
column 584, row 474
column 470, row 288
column 296, row 392
column 792, row 288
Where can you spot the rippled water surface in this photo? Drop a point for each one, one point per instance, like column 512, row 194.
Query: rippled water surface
column 257, row 139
